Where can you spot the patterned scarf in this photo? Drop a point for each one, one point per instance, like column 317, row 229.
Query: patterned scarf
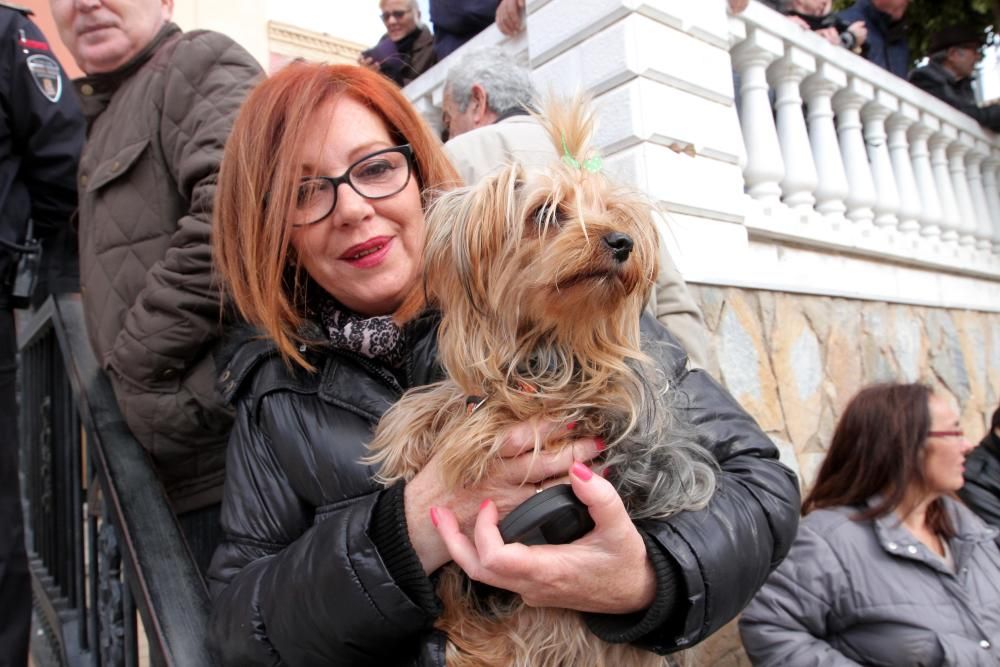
column 376, row 338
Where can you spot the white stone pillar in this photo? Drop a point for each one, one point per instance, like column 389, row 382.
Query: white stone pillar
column 931, row 214
column 800, row 180
column 874, row 115
column 991, row 165
column 960, row 182
column 973, row 167
column 832, row 187
column 765, row 166
column 938, row 145
column 899, row 152
column 861, row 195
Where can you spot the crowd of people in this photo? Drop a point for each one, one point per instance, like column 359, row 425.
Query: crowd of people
column 245, row 245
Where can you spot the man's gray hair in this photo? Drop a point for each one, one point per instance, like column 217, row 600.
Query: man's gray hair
column 507, row 84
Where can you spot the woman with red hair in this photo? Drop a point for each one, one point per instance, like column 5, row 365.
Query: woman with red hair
column 319, row 234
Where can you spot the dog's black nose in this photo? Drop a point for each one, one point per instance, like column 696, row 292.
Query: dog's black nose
column 620, row 244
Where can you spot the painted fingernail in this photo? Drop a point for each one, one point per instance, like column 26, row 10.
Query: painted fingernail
column 570, row 426
column 582, row 471
column 434, row 516
column 600, row 444
column 484, row 504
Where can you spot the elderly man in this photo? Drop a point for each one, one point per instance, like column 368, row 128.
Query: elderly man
column 159, row 105
column 486, row 104
column 406, row 50
column 886, row 32
column 41, row 132
column 954, row 52
column 981, row 491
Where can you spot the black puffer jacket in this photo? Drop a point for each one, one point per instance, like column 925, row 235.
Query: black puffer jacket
column 981, row 491
column 308, row 572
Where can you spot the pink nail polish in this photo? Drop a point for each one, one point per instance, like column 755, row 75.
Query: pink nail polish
column 600, row 444
column 483, row 504
column 582, row 471
column 434, row 516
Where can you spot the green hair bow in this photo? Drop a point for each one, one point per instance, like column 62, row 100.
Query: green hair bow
column 592, row 164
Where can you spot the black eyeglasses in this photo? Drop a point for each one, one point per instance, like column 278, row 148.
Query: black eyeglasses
column 958, row 433
column 397, row 14
column 375, row 176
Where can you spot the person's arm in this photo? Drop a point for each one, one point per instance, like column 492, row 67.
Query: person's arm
column 987, row 116
column 177, row 312
column 47, row 130
column 723, row 553
column 786, row 624
column 673, row 305
column 293, row 585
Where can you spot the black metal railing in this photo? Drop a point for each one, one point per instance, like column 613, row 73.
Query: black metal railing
column 105, row 548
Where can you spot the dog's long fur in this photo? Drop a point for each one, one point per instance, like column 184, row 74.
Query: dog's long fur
column 540, row 319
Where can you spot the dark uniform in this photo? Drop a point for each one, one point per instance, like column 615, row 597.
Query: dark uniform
column 41, row 133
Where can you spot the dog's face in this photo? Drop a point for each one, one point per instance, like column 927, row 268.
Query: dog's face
column 557, row 249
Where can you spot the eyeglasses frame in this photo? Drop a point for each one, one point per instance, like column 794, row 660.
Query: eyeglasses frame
column 946, row 434
column 337, row 181
column 397, row 14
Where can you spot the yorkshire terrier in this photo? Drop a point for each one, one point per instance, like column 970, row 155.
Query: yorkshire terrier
column 541, row 277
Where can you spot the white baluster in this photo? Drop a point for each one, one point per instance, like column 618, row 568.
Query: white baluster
column 931, row 214
column 973, row 167
column 874, row 115
column 990, row 167
column 899, row 152
column 960, row 181
column 800, row 180
column 861, row 195
column 832, row 187
column 938, row 145
column 765, row 167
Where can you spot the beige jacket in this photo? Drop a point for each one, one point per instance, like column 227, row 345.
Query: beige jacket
column 522, row 139
column 156, row 131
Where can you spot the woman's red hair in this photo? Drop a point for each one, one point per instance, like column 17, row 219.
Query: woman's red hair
column 258, row 179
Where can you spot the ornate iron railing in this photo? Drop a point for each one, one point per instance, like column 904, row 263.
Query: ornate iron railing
column 105, row 548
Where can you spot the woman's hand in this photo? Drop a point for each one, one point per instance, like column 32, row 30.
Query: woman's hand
column 516, row 476
column 860, row 32
column 605, row 571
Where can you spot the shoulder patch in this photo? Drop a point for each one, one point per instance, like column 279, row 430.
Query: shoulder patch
column 47, row 76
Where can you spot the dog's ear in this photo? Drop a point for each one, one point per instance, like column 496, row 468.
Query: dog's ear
column 469, row 232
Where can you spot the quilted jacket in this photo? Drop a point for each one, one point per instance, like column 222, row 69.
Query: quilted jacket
column 156, row 131
column 981, row 491
column 868, row 592
column 307, row 574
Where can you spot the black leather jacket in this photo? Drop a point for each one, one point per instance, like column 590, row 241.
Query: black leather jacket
column 302, row 579
column 982, row 480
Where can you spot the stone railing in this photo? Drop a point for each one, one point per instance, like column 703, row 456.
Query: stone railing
column 842, row 154
column 828, row 176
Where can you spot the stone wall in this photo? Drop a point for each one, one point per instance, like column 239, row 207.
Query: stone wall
column 793, row 361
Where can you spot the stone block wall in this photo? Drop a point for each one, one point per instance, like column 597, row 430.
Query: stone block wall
column 793, row 361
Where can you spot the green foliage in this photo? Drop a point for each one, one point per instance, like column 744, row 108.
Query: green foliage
column 924, row 17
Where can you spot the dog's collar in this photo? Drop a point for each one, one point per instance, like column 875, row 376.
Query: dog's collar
column 473, row 403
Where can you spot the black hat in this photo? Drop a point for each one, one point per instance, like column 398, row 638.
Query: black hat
column 956, row 35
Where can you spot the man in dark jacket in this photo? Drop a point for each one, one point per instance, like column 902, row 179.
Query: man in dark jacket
column 41, row 132
column 886, row 40
column 159, row 105
column 982, row 476
column 954, row 52
column 406, row 50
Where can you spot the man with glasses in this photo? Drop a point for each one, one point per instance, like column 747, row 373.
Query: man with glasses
column 406, row 50
column 954, row 53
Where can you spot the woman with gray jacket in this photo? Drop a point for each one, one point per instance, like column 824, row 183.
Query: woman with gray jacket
column 887, row 567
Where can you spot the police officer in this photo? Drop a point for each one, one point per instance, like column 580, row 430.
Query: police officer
column 41, row 133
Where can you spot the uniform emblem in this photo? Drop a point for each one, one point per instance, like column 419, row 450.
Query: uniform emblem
column 47, row 76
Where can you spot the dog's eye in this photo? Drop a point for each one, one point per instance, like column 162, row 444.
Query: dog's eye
column 549, row 214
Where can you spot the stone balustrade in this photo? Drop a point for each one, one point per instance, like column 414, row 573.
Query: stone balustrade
column 843, row 155
column 781, row 161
